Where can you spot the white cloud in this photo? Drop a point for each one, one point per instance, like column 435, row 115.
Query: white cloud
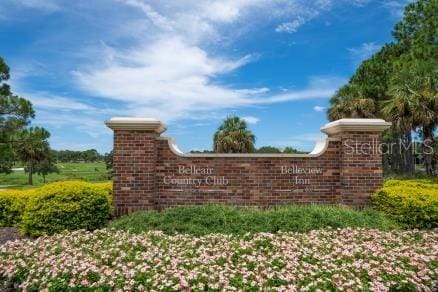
column 45, row 5
column 198, row 21
column 396, row 7
column 223, row 11
column 290, row 27
column 360, row 3
column 72, row 144
column 323, row 4
column 168, row 78
column 251, row 120
column 165, row 59
column 171, row 80
column 365, row 51
column 318, row 87
column 83, row 122
column 46, row 100
column 318, row 108
column 301, row 142
column 301, row 13
column 254, row 90
column 155, row 17
column 171, row 67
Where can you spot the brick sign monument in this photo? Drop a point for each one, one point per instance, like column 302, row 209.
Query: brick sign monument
column 150, row 172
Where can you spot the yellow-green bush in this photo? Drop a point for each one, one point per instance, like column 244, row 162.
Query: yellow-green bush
column 12, row 203
column 107, row 188
column 420, row 183
column 413, row 203
column 67, row 205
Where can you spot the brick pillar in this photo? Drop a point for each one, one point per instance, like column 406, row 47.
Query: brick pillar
column 361, row 171
column 134, row 160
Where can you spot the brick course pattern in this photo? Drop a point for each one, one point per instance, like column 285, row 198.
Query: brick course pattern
column 149, row 174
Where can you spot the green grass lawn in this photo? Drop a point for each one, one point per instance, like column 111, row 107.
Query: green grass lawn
column 92, row 172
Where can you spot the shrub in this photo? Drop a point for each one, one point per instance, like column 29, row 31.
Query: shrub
column 201, row 220
column 12, row 204
column 421, row 183
column 414, row 203
column 107, row 189
column 66, row 205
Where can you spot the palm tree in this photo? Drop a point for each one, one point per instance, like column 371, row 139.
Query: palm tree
column 32, row 147
column 398, row 110
column 233, row 136
column 415, row 105
column 349, row 102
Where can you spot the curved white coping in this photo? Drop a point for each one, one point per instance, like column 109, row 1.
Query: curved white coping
column 361, row 125
column 145, row 124
column 320, row 148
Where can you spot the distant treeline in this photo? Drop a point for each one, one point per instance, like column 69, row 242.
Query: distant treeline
column 90, row 155
column 264, row 149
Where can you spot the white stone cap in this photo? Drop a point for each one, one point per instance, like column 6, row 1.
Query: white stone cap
column 144, row 124
column 320, row 148
column 360, row 125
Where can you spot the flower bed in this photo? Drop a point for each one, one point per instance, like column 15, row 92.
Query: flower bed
column 361, row 259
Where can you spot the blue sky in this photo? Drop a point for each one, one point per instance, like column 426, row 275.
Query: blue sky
column 189, row 63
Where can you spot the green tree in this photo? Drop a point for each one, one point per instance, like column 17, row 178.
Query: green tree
column 108, row 158
column 349, row 102
column 15, row 113
column 268, row 149
column 291, row 150
column 399, row 110
column 90, row 155
column 367, row 87
column 415, row 105
column 372, row 76
column 5, row 90
column 393, row 84
column 32, row 147
column 46, row 166
column 419, row 26
column 415, row 75
column 205, row 151
column 233, row 136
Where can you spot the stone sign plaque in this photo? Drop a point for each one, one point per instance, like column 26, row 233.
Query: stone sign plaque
column 151, row 173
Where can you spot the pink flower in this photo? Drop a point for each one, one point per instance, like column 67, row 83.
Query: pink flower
column 184, row 283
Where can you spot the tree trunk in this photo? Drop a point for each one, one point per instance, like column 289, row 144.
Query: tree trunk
column 396, row 159
column 428, row 150
column 435, row 156
column 29, row 169
column 407, row 166
column 386, row 162
column 44, row 179
column 410, row 154
column 395, row 156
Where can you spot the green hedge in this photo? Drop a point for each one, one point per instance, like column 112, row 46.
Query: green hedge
column 201, row 220
column 67, row 205
column 414, row 203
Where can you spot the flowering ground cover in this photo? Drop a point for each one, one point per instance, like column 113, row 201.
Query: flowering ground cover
column 328, row 259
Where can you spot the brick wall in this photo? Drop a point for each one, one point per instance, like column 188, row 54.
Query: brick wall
column 361, row 171
column 134, row 164
column 256, row 181
column 150, row 174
